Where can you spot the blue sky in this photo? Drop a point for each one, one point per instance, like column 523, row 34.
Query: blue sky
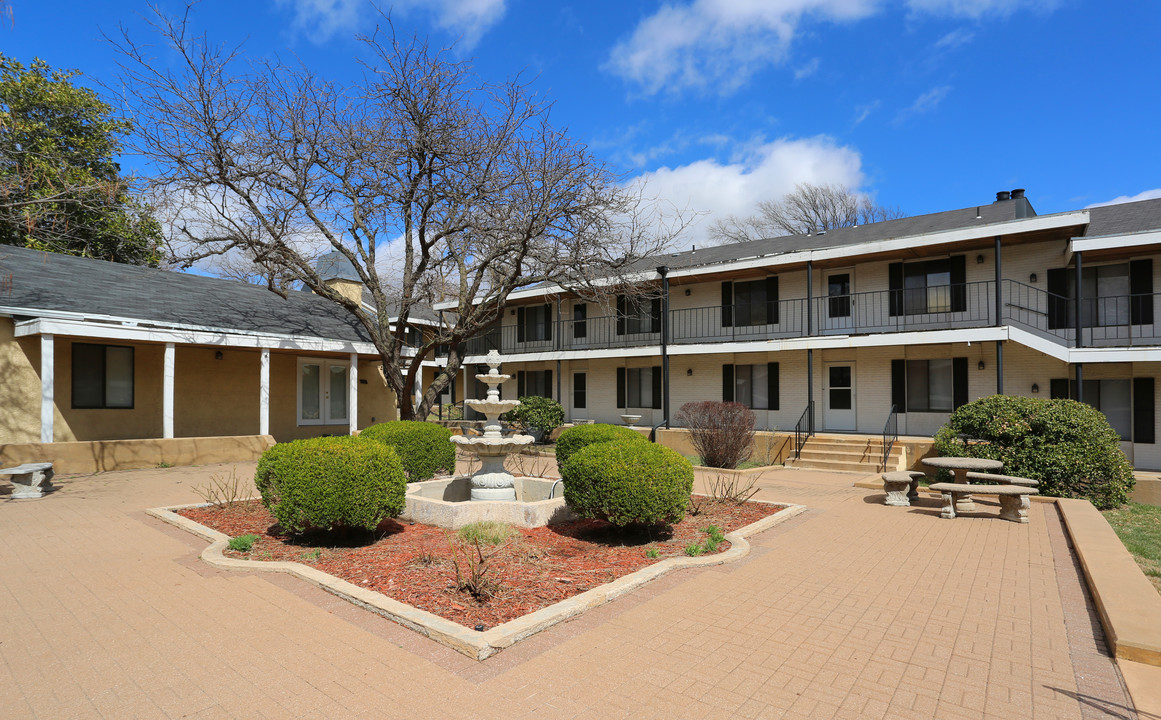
column 923, row 104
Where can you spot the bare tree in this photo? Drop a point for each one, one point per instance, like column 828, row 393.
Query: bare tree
column 459, row 181
column 807, row 209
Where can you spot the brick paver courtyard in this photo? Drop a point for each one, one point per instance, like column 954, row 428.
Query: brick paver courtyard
column 852, row 610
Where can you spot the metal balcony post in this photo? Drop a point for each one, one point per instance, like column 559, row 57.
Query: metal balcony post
column 999, row 277
column 1077, row 292
column 663, row 271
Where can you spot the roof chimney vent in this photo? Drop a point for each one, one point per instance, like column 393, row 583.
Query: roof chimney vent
column 1003, row 195
column 1017, row 193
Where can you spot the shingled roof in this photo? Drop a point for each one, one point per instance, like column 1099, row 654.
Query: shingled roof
column 52, row 282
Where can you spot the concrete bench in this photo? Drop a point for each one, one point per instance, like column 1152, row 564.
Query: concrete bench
column 1005, row 479
column 30, row 480
column 902, row 486
column 1014, row 501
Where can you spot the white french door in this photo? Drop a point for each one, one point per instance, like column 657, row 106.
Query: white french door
column 322, row 391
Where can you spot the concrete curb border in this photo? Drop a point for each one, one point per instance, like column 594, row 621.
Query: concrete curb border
column 476, row 645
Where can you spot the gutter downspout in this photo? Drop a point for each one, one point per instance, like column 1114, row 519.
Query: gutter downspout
column 1078, row 294
column 810, row 351
column 999, row 321
column 663, row 271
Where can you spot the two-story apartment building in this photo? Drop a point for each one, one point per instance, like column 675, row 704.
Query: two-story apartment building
column 848, row 330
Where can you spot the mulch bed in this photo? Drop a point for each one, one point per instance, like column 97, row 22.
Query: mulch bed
column 413, row 563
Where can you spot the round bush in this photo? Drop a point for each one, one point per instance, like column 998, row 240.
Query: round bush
column 581, row 436
column 628, row 483
column 1068, row 446
column 331, row 484
column 535, row 411
column 425, row 448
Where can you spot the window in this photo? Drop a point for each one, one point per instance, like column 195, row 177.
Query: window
column 639, row 387
column 580, row 326
column 412, row 336
column 102, row 376
column 638, row 315
column 929, row 385
column 322, row 392
column 1114, row 398
column 754, row 302
column 838, row 291
column 932, row 286
column 755, row 386
column 579, row 391
column 1120, row 294
column 534, row 382
column 534, row 323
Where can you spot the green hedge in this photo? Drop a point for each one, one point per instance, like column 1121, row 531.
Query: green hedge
column 425, row 448
column 1067, row 446
column 628, row 483
column 331, row 484
column 576, row 438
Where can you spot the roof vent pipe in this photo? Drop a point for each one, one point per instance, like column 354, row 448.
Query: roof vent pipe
column 1018, row 193
column 1003, row 195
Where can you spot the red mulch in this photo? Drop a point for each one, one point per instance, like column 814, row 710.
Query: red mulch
column 412, row 563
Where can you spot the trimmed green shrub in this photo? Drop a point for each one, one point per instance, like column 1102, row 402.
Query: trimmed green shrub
column 628, row 483
column 1068, row 446
column 535, row 411
column 581, row 436
column 425, row 448
column 331, row 483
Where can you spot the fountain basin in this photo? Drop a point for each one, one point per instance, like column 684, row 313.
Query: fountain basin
column 447, row 503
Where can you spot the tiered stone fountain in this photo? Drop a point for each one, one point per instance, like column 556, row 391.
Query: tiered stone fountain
column 492, row 481
column 492, row 493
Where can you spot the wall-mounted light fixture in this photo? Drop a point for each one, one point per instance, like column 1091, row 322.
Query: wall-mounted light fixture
column 218, row 355
column 1032, row 277
column 979, row 259
column 980, row 366
column 1035, row 388
column 689, row 371
column 687, row 292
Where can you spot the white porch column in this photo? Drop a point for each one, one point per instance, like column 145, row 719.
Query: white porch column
column 353, row 393
column 47, row 387
column 167, row 392
column 264, row 393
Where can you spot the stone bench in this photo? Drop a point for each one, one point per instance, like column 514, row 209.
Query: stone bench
column 902, row 486
column 1014, row 501
column 30, row 480
column 1006, row 479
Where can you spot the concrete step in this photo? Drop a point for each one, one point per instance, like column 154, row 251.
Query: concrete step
column 839, row 465
column 845, row 453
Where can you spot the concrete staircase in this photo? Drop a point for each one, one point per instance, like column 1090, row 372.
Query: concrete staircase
column 846, row 453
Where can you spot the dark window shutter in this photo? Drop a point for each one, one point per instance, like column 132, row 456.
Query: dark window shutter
column 548, row 383
column 580, row 315
column 899, row 385
column 727, row 304
column 727, row 383
column 655, row 315
column 1058, row 298
column 549, row 319
column 519, row 325
column 1144, row 413
column 895, row 285
column 959, row 382
column 579, row 391
column 621, row 387
column 621, row 315
column 1058, row 389
column 1141, row 288
column 519, row 384
column 772, row 384
column 772, row 300
column 656, row 387
column 958, row 283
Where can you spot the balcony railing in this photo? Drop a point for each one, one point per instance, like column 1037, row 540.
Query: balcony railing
column 1125, row 320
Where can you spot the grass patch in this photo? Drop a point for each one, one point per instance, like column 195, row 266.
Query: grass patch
column 486, row 532
column 1139, row 528
column 243, row 543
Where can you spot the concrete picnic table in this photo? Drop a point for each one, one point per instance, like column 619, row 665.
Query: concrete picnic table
column 961, row 466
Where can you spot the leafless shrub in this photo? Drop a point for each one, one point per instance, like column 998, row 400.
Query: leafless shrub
column 530, row 462
column 222, row 490
column 733, row 489
column 722, row 433
column 472, row 566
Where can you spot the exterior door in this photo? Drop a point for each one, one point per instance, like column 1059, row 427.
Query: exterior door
column 838, row 310
column 839, row 396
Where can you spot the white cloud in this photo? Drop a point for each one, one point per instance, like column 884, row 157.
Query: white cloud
column 763, row 171
column 808, row 69
column 320, row 20
column 1153, row 194
column 976, row 9
column 718, row 44
column 955, row 39
column 862, row 112
column 925, row 103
